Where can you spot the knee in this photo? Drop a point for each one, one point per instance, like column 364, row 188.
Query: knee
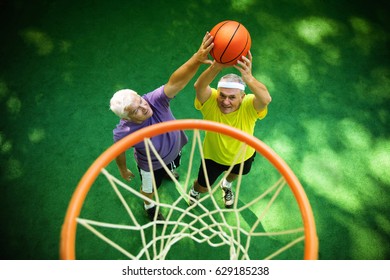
column 147, row 182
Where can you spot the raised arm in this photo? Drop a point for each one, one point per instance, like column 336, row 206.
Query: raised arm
column 262, row 96
column 202, row 84
column 180, row 78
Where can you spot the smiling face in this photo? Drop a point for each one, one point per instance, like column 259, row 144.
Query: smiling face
column 139, row 110
column 229, row 99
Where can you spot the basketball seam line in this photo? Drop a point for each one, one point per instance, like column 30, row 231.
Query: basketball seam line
column 231, row 38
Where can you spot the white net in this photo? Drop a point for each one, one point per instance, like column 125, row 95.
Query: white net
column 206, row 229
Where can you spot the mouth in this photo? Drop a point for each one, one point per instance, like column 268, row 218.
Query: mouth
column 225, row 107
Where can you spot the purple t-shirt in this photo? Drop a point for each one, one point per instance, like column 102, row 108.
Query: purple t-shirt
column 168, row 144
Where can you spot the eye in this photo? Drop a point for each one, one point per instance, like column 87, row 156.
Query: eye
column 141, row 100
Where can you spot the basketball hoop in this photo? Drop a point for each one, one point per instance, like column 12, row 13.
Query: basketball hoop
column 68, row 233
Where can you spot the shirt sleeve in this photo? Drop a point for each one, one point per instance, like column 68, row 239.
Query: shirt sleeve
column 262, row 113
column 158, row 99
column 200, row 106
column 248, row 104
column 121, row 131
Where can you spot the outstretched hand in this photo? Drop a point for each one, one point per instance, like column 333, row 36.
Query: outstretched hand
column 127, row 174
column 245, row 67
column 205, row 48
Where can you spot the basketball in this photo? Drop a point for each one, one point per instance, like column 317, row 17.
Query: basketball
column 231, row 41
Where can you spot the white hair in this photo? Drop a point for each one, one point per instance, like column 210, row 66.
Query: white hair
column 120, row 101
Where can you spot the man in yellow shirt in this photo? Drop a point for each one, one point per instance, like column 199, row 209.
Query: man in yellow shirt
column 228, row 104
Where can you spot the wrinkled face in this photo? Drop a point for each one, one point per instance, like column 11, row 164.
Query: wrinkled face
column 139, row 110
column 229, row 99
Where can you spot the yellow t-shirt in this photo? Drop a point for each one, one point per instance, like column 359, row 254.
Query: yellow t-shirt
column 222, row 148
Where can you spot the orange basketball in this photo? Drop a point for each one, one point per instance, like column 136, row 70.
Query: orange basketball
column 231, row 41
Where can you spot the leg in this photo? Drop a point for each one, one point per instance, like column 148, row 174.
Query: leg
column 148, row 191
column 148, row 195
column 228, row 195
column 195, row 192
column 231, row 177
column 173, row 166
column 213, row 170
column 199, row 188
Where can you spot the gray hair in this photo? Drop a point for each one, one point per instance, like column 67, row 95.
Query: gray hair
column 233, row 78
column 121, row 100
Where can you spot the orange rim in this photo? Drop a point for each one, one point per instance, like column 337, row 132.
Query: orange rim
column 68, row 233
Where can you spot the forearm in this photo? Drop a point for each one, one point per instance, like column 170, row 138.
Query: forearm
column 121, row 162
column 202, row 85
column 262, row 96
column 206, row 78
column 180, row 78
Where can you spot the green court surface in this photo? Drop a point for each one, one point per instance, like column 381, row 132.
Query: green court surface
column 325, row 63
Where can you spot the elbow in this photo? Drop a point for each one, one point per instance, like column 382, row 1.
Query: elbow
column 265, row 100
column 268, row 100
column 196, row 85
column 197, row 88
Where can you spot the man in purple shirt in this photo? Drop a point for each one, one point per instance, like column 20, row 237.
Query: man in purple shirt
column 138, row 111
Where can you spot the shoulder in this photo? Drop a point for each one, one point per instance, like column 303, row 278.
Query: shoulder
column 213, row 95
column 122, row 129
column 248, row 100
column 249, row 107
column 212, row 99
column 157, row 96
column 157, row 93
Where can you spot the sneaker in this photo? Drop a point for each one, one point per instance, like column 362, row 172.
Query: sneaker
column 152, row 214
column 228, row 197
column 193, row 198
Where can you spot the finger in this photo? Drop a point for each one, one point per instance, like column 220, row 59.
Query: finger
column 247, row 63
column 209, row 47
column 131, row 177
column 241, row 63
column 207, row 37
column 239, row 66
column 209, row 41
column 245, row 59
